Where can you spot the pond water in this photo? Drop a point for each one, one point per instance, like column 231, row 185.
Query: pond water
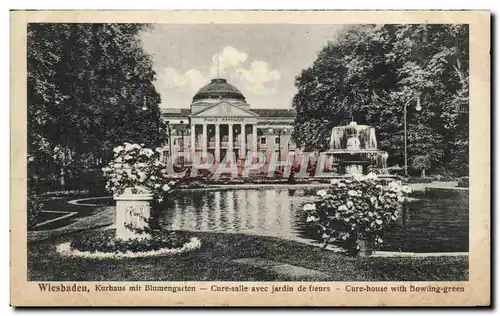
column 432, row 222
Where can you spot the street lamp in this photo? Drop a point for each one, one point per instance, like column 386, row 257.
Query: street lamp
column 418, row 107
column 144, row 104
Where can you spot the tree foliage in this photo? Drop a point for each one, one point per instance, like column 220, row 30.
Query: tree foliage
column 87, row 87
column 372, row 71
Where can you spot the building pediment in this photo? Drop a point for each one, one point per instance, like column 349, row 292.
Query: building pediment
column 224, row 109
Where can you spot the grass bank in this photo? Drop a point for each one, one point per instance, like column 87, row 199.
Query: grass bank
column 214, row 261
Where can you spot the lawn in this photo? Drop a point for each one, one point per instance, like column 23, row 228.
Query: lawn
column 214, row 261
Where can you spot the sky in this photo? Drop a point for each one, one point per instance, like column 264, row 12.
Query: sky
column 262, row 61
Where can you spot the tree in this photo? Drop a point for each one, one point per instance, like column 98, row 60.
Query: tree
column 87, row 87
column 371, row 71
column 421, row 163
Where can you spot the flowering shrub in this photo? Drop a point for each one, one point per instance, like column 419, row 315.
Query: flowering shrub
column 103, row 245
column 353, row 209
column 137, row 169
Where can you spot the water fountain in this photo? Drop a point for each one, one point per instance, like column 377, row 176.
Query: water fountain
column 353, row 150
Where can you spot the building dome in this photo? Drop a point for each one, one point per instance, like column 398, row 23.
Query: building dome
column 219, row 89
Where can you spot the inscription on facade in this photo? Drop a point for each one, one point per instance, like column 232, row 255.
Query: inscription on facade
column 223, row 119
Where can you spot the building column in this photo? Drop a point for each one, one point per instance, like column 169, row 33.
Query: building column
column 204, row 139
column 230, row 141
column 254, row 138
column 217, row 143
column 243, row 150
column 193, row 141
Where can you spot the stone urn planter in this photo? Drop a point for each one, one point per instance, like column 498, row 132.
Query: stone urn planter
column 133, row 212
column 366, row 243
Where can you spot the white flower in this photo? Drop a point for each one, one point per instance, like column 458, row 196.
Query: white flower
column 406, row 189
column 128, row 157
column 396, row 189
column 117, row 165
column 357, row 177
column 342, row 208
column 147, row 152
column 349, row 204
column 321, row 193
column 136, row 146
column 142, row 176
column 373, row 199
column 401, row 199
column 165, row 187
column 159, row 150
column 118, row 159
column 341, row 184
column 128, row 147
column 312, row 218
column 157, row 185
column 371, row 176
column 394, row 186
column 118, row 149
column 309, row 207
column 334, row 181
column 352, row 193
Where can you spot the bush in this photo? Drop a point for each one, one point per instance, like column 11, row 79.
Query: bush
column 106, row 242
column 463, row 182
column 34, row 209
column 359, row 208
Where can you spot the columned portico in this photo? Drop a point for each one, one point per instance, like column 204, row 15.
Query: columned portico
column 254, row 138
column 204, row 140
column 243, row 141
column 221, row 123
column 193, row 141
column 217, row 142
column 230, row 141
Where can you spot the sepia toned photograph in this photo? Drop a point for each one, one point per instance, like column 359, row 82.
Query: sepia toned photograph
column 160, row 153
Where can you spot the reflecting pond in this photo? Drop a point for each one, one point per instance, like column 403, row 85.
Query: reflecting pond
column 434, row 221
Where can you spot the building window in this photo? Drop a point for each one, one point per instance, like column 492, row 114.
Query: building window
column 277, row 140
column 263, row 140
column 166, row 141
column 175, row 141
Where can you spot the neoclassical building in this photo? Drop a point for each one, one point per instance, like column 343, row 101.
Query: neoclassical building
column 220, row 120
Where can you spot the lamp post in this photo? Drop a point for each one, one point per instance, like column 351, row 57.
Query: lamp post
column 418, row 108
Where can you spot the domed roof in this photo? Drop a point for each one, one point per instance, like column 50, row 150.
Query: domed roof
column 219, row 89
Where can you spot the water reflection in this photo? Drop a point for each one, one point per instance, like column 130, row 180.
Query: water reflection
column 431, row 223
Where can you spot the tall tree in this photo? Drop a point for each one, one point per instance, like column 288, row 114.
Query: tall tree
column 90, row 88
column 372, row 71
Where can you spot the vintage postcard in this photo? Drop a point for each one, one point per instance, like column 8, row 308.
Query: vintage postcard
column 250, row 158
